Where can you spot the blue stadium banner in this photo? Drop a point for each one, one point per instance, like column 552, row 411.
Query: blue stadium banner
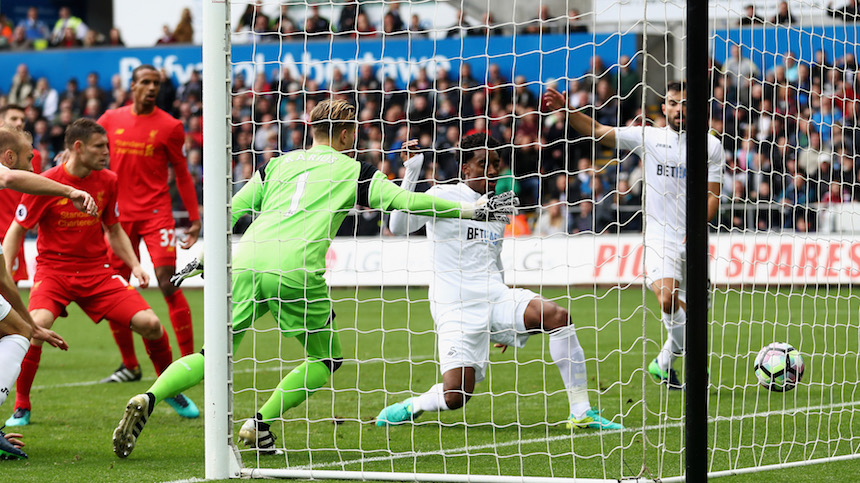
column 538, row 58
column 768, row 46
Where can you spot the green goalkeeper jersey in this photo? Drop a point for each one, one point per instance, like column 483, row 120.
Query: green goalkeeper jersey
column 299, row 201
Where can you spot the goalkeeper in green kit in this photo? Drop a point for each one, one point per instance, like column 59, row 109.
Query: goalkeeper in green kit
column 299, row 201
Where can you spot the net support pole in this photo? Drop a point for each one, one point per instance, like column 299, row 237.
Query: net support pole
column 696, row 420
column 220, row 461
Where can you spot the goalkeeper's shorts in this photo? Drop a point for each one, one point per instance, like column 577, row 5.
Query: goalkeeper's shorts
column 297, row 310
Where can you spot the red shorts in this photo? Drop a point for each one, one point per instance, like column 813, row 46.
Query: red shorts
column 160, row 238
column 101, row 296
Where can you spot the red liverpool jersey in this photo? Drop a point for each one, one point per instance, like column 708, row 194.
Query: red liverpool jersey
column 71, row 241
column 141, row 149
column 9, row 199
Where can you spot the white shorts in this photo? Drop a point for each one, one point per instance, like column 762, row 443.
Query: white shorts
column 466, row 328
column 666, row 260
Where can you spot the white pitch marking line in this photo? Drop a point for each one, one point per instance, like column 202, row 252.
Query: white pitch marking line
column 247, row 371
column 469, row 449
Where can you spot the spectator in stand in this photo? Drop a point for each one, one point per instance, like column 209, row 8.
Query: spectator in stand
column 575, row 22
column 91, row 39
column 389, row 26
column 461, row 28
column 543, row 24
column 115, row 38
column 46, row 99
column 394, row 10
column 167, row 94
column 837, row 192
column 363, row 27
column 72, row 94
column 252, row 11
column 19, row 39
column 348, row 16
column 316, row 24
column 184, row 31
column 783, row 15
column 584, row 221
column 551, row 220
column 523, row 96
column 848, row 12
column 69, row 40
column 628, row 88
column 750, row 18
column 416, row 28
column 166, row 36
column 37, row 31
column 6, row 31
column 824, row 118
column 93, row 89
column 68, row 21
column 740, row 70
column 22, row 86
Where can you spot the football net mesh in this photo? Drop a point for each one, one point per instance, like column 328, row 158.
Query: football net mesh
column 783, row 246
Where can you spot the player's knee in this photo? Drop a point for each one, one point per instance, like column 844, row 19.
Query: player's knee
column 668, row 304
column 455, row 399
column 148, row 326
column 167, row 288
column 560, row 317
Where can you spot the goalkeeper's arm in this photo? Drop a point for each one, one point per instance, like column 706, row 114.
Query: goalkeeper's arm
column 377, row 192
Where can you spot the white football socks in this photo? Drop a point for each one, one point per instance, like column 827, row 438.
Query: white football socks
column 432, row 400
column 570, row 359
column 13, row 348
column 674, row 346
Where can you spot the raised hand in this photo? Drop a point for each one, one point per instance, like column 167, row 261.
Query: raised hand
column 554, row 100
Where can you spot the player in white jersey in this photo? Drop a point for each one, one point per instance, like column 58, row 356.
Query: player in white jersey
column 471, row 305
column 663, row 153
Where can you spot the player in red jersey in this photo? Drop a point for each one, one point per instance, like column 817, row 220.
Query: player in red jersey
column 73, row 264
column 16, row 325
column 13, row 116
column 144, row 142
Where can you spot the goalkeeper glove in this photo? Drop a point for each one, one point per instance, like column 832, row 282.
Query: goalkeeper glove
column 194, row 268
column 496, row 207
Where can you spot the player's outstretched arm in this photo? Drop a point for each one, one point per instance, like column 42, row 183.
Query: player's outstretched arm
column 580, row 122
column 26, row 182
column 385, row 195
column 400, row 222
column 121, row 246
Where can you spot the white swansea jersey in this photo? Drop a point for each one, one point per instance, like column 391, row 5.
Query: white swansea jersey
column 665, row 165
column 465, row 252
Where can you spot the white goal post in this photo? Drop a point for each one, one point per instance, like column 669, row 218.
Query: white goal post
column 784, row 104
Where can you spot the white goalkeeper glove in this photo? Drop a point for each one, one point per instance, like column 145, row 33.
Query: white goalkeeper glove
column 192, row 269
column 493, row 207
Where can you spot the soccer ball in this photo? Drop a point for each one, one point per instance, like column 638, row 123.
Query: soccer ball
column 778, row 367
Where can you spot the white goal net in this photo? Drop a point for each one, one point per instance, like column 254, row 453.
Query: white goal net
column 783, row 258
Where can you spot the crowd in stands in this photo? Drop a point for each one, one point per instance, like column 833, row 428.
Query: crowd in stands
column 68, row 31
column 789, row 133
column 354, row 21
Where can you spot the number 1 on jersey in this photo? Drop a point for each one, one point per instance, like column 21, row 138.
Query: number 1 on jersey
column 301, row 184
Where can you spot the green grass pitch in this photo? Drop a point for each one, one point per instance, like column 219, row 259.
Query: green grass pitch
column 512, row 426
